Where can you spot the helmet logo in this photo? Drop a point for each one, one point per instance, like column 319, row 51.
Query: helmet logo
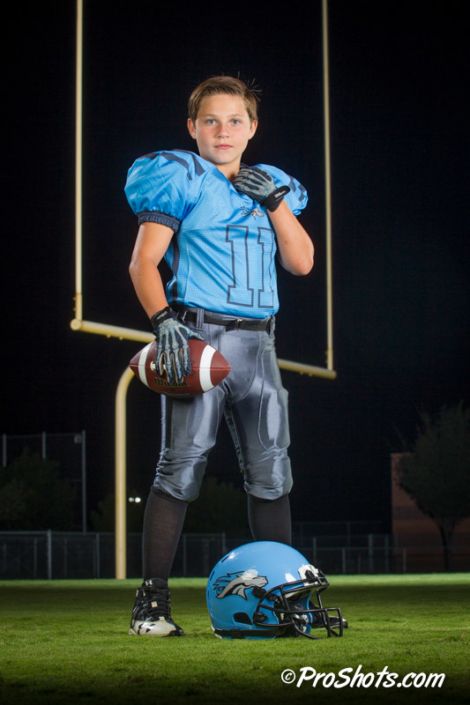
column 238, row 583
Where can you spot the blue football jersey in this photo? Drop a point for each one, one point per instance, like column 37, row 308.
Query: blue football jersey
column 223, row 252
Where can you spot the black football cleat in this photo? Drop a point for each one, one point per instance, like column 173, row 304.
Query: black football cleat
column 151, row 615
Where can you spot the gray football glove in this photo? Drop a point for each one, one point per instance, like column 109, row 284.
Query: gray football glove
column 172, row 356
column 259, row 185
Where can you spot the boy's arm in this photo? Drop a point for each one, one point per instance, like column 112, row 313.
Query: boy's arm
column 172, row 352
column 151, row 244
column 296, row 251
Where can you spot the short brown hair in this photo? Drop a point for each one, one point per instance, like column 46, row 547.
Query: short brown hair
column 224, row 84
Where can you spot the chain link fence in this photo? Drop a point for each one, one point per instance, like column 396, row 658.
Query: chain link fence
column 72, row 555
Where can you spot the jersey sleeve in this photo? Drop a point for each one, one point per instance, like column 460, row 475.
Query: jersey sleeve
column 160, row 188
column 297, row 197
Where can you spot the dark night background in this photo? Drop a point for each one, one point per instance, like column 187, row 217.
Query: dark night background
column 399, row 103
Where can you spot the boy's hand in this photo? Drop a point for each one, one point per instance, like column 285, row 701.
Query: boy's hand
column 259, row 185
column 172, row 354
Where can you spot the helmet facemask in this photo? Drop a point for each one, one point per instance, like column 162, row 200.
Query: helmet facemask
column 295, row 609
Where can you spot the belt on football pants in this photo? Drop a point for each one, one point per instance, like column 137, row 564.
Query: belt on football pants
column 200, row 315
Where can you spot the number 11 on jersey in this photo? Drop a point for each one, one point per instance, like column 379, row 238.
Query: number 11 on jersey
column 252, row 266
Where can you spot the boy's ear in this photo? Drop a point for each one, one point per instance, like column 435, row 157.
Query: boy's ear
column 191, row 128
column 253, row 128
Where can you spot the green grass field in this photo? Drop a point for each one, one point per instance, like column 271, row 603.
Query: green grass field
column 66, row 641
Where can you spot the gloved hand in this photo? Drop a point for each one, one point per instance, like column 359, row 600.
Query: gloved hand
column 172, row 354
column 259, row 185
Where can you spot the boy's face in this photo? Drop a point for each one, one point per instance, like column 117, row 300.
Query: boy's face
column 222, row 130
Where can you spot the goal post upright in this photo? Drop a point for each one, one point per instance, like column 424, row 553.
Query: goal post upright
column 78, row 299
column 328, row 210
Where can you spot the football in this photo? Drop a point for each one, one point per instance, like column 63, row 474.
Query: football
column 209, row 368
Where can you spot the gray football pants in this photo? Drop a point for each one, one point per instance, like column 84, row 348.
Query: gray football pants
column 254, row 404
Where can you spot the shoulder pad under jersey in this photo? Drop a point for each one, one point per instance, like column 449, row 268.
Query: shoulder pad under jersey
column 297, row 197
column 163, row 186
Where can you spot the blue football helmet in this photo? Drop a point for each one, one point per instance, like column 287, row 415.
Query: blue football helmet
column 265, row 589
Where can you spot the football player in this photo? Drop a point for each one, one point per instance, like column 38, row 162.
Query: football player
column 219, row 224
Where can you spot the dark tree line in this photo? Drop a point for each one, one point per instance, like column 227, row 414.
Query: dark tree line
column 435, row 470
column 34, row 495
